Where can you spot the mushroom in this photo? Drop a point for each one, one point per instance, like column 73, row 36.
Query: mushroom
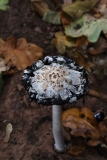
column 55, row 80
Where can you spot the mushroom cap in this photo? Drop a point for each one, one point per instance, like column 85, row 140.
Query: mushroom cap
column 55, row 80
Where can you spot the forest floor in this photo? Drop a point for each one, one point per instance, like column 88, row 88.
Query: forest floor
column 32, row 137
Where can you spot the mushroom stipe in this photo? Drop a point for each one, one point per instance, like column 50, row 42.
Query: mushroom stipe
column 55, row 80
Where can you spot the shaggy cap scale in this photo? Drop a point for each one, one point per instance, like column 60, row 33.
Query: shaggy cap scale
column 55, row 80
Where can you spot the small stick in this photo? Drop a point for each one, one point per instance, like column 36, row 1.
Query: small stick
column 8, row 132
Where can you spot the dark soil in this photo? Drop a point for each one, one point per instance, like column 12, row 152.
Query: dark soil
column 32, row 137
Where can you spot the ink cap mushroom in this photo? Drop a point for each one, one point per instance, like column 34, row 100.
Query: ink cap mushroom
column 55, row 80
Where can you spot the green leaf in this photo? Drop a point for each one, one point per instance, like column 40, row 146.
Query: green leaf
column 87, row 26
column 52, row 17
column 1, row 82
column 76, row 9
column 4, row 5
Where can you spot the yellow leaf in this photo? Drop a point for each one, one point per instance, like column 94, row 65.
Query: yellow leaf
column 79, row 123
column 61, row 42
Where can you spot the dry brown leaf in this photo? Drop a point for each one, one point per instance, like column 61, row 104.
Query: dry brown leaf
column 63, row 2
column 40, row 6
column 9, row 129
column 101, row 7
column 3, row 67
column 98, row 94
column 81, row 60
column 65, row 18
column 81, row 41
column 20, row 53
column 103, row 129
column 87, row 115
column 99, row 47
column 8, row 45
column 97, row 15
column 81, row 127
column 76, row 150
column 57, row 1
column 67, row 2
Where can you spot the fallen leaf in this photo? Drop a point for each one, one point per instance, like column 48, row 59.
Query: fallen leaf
column 81, row 41
column 88, row 26
column 3, row 67
column 101, row 7
column 1, row 82
column 57, row 1
column 65, row 18
column 98, row 94
column 100, row 69
column 4, row 5
column 9, row 129
column 52, row 17
column 87, row 115
column 76, row 150
column 76, row 9
column 102, row 127
column 61, row 42
column 19, row 53
column 81, row 127
column 97, row 15
column 81, row 60
column 67, row 2
column 99, row 47
column 40, row 6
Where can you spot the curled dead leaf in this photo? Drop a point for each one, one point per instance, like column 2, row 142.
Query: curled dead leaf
column 76, row 150
column 19, row 53
column 9, row 129
column 87, row 115
column 72, row 118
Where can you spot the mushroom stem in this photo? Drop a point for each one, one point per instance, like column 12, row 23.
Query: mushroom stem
column 57, row 128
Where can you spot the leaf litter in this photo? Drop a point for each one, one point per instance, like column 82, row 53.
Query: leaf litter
column 18, row 54
column 80, row 121
column 84, row 27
